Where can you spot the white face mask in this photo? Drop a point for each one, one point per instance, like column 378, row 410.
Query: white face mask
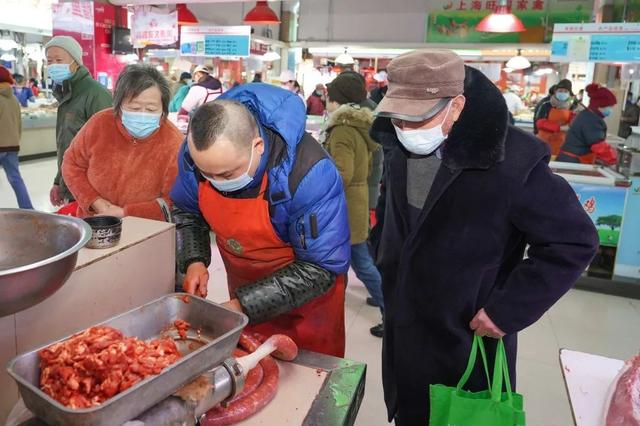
column 422, row 141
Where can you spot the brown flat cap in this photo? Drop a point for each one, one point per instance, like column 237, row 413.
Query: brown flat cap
column 421, row 83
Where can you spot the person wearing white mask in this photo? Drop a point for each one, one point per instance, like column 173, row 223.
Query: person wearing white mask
column 124, row 160
column 79, row 98
column 275, row 203
column 463, row 194
column 554, row 116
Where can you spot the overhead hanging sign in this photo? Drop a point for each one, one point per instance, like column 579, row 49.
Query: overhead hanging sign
column 225, row 42
column 152, row 25
column 454, row 21
column 609, row 42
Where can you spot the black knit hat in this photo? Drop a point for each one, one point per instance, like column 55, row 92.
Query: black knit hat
column 348, row 87
column 564, row 84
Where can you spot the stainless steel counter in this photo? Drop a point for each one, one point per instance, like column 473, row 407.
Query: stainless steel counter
column 315, row 389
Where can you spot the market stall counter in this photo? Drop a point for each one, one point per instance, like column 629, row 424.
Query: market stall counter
column 612, row 201
column 314, row 389
column 104, row 283
column 38, row 133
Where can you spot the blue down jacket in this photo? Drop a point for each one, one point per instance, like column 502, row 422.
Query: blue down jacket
column 303, row 182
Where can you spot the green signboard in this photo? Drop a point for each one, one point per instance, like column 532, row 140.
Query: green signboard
column 456, row 20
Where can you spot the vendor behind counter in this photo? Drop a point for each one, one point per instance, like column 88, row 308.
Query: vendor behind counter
column 586, row 138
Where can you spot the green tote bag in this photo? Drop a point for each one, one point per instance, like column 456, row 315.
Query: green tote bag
column 456, row 407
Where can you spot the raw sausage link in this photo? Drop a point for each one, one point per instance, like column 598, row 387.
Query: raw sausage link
column 250, row 404
column 261, row 383
column 287, row 348
column 248, row 342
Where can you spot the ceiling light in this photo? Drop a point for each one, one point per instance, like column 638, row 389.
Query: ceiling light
column 261, row 14
column 345, row 58
column 501, row 21
column 543, row 71
column 270, row 56
column 185, row 16
column 518, row 62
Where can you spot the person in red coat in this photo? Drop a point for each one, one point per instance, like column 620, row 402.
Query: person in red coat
column 316, row 103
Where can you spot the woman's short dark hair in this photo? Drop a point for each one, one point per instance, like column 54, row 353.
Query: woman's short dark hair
column 135, row 79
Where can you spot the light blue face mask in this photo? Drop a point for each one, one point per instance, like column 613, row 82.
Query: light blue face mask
column 606, row 111
column 59, row 72
column 232, row 185
column 140, row 124
column 562, row 96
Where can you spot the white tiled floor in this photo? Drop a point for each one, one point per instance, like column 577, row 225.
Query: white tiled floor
column 582, row 321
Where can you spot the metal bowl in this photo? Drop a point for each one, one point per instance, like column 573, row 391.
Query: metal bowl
column 106, row 231
column 38, row 252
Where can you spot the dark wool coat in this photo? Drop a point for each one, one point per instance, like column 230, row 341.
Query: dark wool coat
column 493, row 195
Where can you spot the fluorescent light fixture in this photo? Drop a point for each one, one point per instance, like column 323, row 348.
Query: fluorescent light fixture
column 270, row 56
column 9, row 57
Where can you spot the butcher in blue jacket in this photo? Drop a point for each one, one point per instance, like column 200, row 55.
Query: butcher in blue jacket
column 274, row 199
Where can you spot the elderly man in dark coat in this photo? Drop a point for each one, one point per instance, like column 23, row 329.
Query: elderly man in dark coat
column 464, row 194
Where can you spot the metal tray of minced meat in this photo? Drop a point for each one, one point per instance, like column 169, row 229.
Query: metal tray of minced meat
column 218, row 328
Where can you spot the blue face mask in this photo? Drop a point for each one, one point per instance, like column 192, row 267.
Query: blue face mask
column 606, row 111
column 562, row 96
column 140, row 124
column 232, row 185
column 59, row 72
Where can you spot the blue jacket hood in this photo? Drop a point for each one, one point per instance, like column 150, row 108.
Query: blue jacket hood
column 277, row 109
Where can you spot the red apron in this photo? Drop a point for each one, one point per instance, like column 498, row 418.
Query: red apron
column 251, row 250
column 556, row 139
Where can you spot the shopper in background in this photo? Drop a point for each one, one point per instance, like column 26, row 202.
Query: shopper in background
column 79, row 98
column 461, row 202
column 630, row 117
column 184, row 81
column 349, row 144
column 514, row 102
column 23, row 93
column 586, row 138
column 378, row 93
column 257, row 78
column 298, row 90
column 316, row 103
column 178, row 96
column 577, row 102
column 124, row 160
column 628, row 100
column 539, row 105
column 206, row 88
column 553, row 117
column 11, row 125
column 287, row 80
column 33, row 85
column 274, row 200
